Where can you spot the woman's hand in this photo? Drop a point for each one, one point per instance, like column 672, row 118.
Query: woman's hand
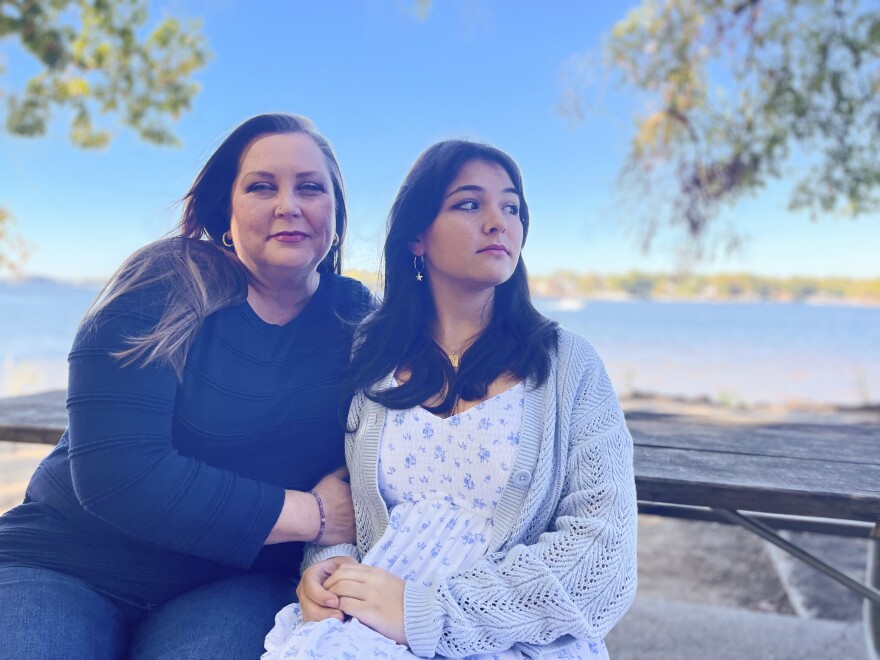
column 300, row 517
column 315, row 601
column 373, row 595
column 335, row 493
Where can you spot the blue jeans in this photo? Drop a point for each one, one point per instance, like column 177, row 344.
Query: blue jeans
column 45, row 614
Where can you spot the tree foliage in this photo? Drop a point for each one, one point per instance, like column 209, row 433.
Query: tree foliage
column 96, row 58
column 743, row 91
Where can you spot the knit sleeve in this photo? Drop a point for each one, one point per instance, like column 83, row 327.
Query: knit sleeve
column 576, row 581
column 312, row 554
column 124, row 466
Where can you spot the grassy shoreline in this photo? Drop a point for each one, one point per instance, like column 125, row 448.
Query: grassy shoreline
column 665, row 287
column 642, row 285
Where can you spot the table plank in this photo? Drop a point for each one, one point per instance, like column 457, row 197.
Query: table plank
column 855, row 443
column 39, row 418
column 830, row 471
column 777, row 485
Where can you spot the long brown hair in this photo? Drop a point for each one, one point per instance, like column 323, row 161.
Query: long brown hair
column 195, row 278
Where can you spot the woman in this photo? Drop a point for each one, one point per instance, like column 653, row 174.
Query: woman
column 491, row 466
column 203, row 417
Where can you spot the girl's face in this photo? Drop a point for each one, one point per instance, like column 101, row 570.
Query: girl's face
column 475, row 241
column 283, row 208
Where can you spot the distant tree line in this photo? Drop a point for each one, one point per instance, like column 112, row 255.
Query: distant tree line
column 728, row 286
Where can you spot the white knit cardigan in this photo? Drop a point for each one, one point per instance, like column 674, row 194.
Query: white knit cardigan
column 561, row 563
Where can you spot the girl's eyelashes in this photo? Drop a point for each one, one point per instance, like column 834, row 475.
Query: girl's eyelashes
column 473, row 205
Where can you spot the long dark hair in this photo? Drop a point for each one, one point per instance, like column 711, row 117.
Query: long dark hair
column 207, row 204
column 518, row 339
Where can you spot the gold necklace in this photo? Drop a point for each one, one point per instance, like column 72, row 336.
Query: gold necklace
column 455, row 360
column 454, row 410
column 455, row 356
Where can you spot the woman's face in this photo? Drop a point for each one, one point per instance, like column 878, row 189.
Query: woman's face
column 283, row 208
column 475, row 241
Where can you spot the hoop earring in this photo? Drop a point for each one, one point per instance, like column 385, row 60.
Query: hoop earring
column 419, row 267
column 335, row 243
column 226, row 239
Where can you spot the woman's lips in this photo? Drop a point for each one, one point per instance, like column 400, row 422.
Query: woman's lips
column 289, row 236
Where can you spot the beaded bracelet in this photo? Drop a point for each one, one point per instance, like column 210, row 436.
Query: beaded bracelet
column 323, row 516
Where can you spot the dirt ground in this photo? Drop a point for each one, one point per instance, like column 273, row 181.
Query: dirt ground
column 722, row 565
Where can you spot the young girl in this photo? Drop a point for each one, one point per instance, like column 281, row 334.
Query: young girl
column 491, row 468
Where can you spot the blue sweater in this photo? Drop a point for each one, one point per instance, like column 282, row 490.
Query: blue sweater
column 159, row 486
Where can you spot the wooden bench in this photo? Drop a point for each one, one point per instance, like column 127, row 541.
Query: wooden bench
column 822, row 478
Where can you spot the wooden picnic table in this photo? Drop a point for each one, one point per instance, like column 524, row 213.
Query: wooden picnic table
column 764, row 477
column 810, row 477
column 817, row 470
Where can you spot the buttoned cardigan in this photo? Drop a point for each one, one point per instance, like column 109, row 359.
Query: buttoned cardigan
column 561, row 563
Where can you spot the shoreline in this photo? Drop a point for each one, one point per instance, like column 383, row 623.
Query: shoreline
column 545, row 289
column 577, row 302
column 758, row 413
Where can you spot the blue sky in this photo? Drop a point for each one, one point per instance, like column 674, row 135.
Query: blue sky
column 382, row 85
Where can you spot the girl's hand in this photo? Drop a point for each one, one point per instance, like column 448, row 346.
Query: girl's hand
column 373, row 595
column 315, row 601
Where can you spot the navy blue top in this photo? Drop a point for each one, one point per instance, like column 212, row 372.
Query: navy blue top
column 159, row 486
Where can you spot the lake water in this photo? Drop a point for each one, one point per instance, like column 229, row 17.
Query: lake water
column 734, row 353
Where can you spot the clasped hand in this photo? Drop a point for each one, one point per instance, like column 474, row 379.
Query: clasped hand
column 340, row 586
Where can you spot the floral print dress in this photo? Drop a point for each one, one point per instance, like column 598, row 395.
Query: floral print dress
column 441, row 479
